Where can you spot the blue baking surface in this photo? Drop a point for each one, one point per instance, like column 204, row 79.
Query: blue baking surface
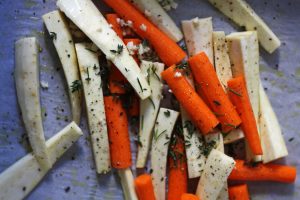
column 74, row 177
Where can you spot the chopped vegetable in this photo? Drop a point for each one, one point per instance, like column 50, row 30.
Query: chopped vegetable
column 211, row 88
column 198, row 35
column 243, row 106
column 149, row 109
column 272, row 140
column 241, row 13
column 217, row 168
column 117, row 124
column 263, row 172
column 169, row 52
column 238, row 192
column 64, row 45
column 21, row 178
column 161, row 137
column 144, row 187
column 27, row 86
column 178, row 175
column 88, row 18
column 200, row 114
column 94, row 106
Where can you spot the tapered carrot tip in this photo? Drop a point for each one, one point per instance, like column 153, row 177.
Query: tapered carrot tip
column 187, row 196
column 144, row 187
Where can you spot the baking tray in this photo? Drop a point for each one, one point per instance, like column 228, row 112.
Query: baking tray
column 74, row 177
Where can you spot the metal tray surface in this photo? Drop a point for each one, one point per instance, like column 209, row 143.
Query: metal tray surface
column 74, row 177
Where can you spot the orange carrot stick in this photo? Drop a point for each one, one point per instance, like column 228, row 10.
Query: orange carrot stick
column 263, row 172
column 144, row 188
column 117, row 124
column 200, row 114
column 238, row 192
column 187, row 196
column 177, row 184
column 112, row 19
column 169, row 52
column 210, row 86
column 239, row 97
column 116, row 81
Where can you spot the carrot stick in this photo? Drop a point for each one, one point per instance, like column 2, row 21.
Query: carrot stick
column 117, row 125
column 112, row 19
column 177, row 184
column 210, row 86
column 239, row 97
column 116, row 81
column 200, row 114
column 169, row 52
column 263, row 172
column 144, row 188
column 187, row 196
column 238, row 192
column 135, row 42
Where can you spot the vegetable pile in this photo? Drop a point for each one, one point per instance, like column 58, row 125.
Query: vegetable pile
column 214, row 79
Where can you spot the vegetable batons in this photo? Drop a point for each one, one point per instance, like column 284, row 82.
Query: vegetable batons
column 88, row 18
column 272, row 140
column 217, row 168
column 244, row 58
column 211, row 89
column 27, row 86
column 21, row 178
column 161, row 138
column 158, row 16
column 90, row 78
column 149, row 109
column 200, row 114
column 241, row 13
column 198, row 36
column 168, row 51
column 62, row 39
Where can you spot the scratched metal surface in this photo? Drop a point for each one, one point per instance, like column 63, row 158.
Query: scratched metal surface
column 280, row 73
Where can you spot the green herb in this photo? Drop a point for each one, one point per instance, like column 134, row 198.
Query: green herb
column 183, row 65
column 53, row 35
column 234, row 92
column 209, row 146
column 88, row 75
column 119, row 50
column 153, row 69
column 183, row 47
column 151, row 100
column 127, row 70
column 190, row 127
column 139, row 141
column 217, row 102
column 76, row 86
column 148, row 75
column 178, row 129
column 91, row 50
column 142, row 122
column 167, row 113
column 156, row 136
column 138, row 80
